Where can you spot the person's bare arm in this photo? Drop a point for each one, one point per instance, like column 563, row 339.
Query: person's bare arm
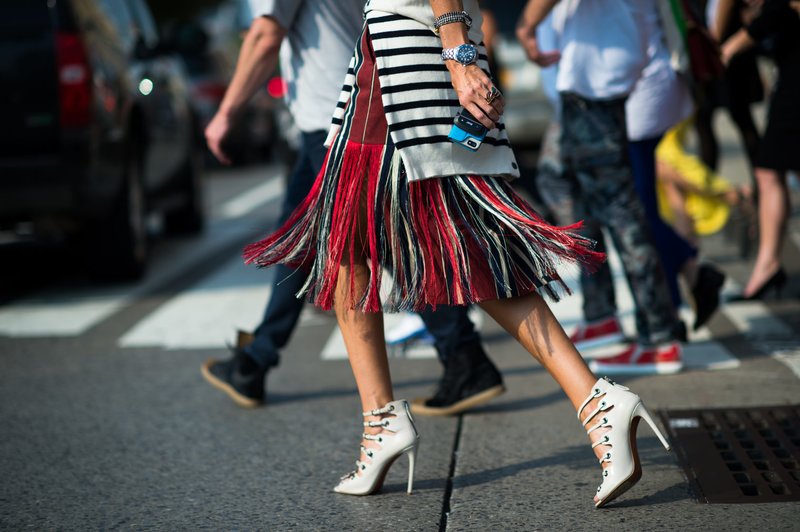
column 470, row 82
column 736, row 43
column 258, row 58
column 534, row 13
column 722, row 17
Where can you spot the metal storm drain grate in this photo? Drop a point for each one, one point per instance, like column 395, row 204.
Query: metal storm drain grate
column 738, row 455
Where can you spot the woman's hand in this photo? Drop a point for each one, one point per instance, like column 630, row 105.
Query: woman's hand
column 476, row 93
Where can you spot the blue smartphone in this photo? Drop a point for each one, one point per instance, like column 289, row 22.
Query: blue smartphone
column 467, row 132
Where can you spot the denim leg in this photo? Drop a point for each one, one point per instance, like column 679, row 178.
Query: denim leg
column 558, row 191
column 595, row 149
column 451, row 329
column 673, row 250
column 283, row 310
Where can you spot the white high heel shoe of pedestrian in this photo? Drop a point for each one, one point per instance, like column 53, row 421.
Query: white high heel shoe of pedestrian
column 399, row 437
column 618, row 410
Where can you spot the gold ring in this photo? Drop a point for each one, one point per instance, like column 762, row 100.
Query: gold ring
column 492, row 95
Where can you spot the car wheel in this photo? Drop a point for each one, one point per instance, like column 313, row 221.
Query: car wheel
column 189, row 218
column 119, row 244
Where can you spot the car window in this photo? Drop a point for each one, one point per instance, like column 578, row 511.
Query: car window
column 143, row 22
column 30, row 16
column 117, row 13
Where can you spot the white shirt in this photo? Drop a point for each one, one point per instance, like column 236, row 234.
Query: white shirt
column 321, row 37
column 603, row 48
column 660, row 98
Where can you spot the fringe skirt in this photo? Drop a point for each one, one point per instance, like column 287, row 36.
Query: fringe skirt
column 454, row 240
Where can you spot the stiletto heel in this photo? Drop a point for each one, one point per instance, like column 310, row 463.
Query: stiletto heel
column 412, row 458
column 621, row 411
column 399, row 437
column 643, row 413
column 774, row 283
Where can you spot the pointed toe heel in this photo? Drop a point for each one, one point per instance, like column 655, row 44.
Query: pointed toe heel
column 398, row 437
column 618, row 411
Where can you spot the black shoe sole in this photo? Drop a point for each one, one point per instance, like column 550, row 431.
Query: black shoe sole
column 216, row 382
column 418, row 406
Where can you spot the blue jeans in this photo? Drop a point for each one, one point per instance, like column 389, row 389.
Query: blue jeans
column 451, row 329
column 594, row 149
column 284, row 307
column 672, row 248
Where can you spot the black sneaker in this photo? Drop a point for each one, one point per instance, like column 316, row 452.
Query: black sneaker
column 240, row 376
column 470, row 380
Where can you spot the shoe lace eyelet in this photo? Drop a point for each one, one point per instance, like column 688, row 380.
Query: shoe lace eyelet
column 386, row 423
column 380, row 440
column 605, row 472
column 391, row 408
column 608, row 456
column 363, row 467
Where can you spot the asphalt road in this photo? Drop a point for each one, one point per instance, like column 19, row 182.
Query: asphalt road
column 106, row 422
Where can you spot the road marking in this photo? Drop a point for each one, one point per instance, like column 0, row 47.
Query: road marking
column 701, row 353
column 207, row 315
column 75, row 310
column 64, row 313
column 421, row 349
column 790, row 358
column 251, row 199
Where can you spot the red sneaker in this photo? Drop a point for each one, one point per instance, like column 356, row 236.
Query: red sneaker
column 663, row 359
column 596, row 334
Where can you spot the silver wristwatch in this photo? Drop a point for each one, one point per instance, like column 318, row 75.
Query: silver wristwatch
column 466, row 54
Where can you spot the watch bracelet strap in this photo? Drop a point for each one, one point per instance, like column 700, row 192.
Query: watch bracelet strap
column 452, row 18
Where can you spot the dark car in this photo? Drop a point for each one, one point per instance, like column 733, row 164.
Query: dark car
column 98, row 130
column 209, row 44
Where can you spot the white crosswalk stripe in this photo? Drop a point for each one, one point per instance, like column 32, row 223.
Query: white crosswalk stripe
column 72, row 311
column 208, row 314
column 701, row 353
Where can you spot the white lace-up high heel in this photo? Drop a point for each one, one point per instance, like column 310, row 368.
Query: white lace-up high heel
column 619, row 411
column 399, row 437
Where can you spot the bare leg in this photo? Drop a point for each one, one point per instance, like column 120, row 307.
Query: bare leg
column 773, row 210
column 530, row 321
column 363, row 337
column 366, row 347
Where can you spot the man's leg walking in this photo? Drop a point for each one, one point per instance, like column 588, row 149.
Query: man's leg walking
column 470, row 379
column 242, row 376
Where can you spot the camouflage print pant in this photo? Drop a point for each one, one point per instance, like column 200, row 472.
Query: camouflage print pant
column 597, row 177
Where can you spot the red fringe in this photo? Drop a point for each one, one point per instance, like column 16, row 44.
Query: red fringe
column 564, row 235
column 360, row 166
column 263, row 252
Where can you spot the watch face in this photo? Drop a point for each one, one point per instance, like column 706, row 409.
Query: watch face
column 466, row 54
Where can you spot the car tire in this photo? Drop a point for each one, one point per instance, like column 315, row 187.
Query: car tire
column 118, row 245
column 189, row 218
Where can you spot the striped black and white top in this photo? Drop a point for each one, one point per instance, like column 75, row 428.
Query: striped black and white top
column 418, row 97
